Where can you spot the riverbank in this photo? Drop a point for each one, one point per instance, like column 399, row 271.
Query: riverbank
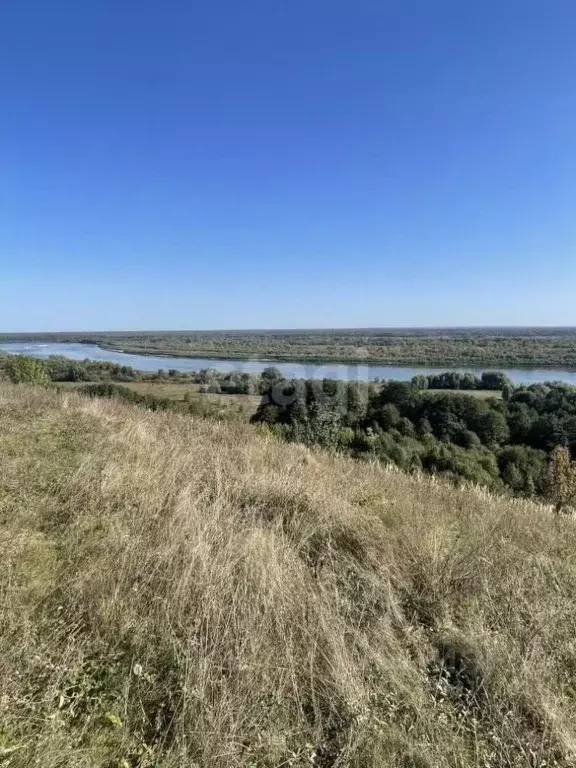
column 349, row 371
column 424, row 362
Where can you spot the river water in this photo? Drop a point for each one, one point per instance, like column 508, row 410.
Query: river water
column 290, row 370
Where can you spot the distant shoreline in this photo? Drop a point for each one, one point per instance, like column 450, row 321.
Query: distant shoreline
column 436, row 363
column 473, row 348
column 320, row 360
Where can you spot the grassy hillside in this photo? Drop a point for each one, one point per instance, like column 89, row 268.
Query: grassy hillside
column 187, row 593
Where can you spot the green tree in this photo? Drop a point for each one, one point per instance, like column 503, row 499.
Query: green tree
column 26, row 370
column 271, row 375
column 523, row 469
column 396, row 392
column 321, row 427
column 466, row 438
column 405, row 427
column 419, row 382
column 345, row 437
column 389, row 416
column 491, row 427
column 356, row 403
column 496, row 381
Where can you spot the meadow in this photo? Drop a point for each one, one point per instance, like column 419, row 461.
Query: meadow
column 226, row 405
column 482, row 394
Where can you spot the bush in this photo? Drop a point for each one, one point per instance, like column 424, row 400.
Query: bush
column 106, row 389
column 26, row 370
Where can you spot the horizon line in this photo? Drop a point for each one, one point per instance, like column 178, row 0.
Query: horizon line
column 394, row 328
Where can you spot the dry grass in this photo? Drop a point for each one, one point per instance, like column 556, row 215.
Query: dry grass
column 179, row 592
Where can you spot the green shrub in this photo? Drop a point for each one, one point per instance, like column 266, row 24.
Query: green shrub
column 25, row 370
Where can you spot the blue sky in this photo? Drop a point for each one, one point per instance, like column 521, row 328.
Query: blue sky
column 287, row 164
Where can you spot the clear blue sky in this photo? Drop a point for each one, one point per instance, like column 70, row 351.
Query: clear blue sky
column 287, row 163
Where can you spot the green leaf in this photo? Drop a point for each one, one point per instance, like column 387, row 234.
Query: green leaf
column 113, row 719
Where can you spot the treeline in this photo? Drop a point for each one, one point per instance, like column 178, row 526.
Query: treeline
column 489, row 380
column 62, row 369
column 237, row 383
column 503, row 444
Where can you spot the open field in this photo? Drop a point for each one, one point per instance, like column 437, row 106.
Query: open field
column 483, row 394
column 170, row 390
column 178, row 592
column 242, row 405
column 480, row 347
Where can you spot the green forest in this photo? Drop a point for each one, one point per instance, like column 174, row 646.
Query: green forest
column 503, row 443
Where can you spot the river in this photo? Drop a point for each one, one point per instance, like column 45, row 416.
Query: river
column 290, row 370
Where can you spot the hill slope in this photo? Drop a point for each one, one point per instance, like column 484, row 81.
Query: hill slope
column 177, row 592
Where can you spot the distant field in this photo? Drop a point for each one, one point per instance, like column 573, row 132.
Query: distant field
column 170, row 390
column 470, row 347
column 243, row 405
column 480, row 393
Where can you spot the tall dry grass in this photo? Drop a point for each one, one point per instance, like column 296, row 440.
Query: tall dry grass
column 177, row 592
